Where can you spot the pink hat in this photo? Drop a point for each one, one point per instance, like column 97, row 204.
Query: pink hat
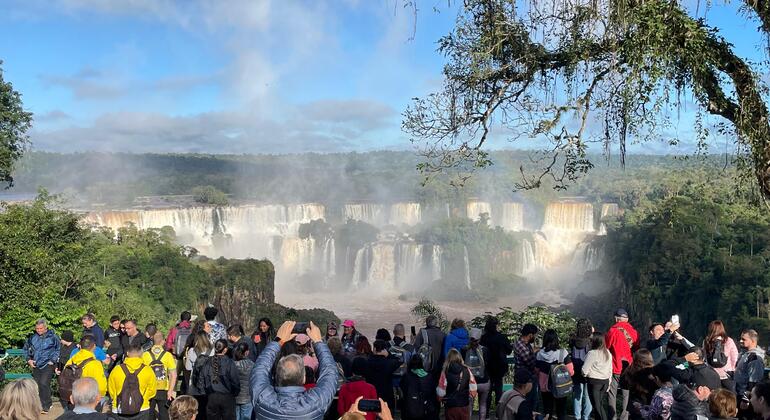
column 301, row 338
column 349, row 323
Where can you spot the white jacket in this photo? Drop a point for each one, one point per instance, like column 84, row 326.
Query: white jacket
column 598, row 365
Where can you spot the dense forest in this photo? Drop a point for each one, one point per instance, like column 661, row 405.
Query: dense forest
column 54, row 267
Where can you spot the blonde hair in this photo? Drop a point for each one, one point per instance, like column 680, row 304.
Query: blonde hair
column 20, row 401
column 453, row 356
column 183, row 408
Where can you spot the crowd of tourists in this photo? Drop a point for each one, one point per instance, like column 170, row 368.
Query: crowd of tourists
column 202, row 369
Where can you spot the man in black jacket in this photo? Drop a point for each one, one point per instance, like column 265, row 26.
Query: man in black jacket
column 379, row 371
column 499, row 347
column 435, row 339
column 112, row 340
column 657, row 344
column 133, row 335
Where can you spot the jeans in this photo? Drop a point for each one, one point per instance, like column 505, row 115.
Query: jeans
column 597, row 389
column 613, row 399
column 42, row 377
column 243, row 411
column 483, row 390
column 158, row 404
column 581, row 401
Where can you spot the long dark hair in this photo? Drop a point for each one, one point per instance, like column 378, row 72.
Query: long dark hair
column 597, row 343
column 716, row 330
column 270, row 331
column 362, row 346
column 220, row 347
column 550, row 340
column 240, row 351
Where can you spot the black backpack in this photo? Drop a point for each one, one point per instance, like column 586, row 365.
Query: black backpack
column 130, row 399
column 416, row 405
column 200, row 379
column 180, row 341
column 717, row 358
column 157, row 366
column 71, row 373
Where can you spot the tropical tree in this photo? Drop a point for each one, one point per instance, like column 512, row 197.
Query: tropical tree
column 14, row 123
column 569, row 72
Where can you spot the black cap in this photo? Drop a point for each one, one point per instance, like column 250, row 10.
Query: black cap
column 68, row 336
column 522, row 377
column 621, row 313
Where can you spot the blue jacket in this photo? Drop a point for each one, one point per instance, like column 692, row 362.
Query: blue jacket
column 98, row 334
column 456, row 339
column 43, row 349
column 292, row 402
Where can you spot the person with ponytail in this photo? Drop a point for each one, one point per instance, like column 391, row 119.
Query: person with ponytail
column 222, row 384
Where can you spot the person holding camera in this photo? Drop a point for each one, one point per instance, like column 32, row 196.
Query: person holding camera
column 287, row 398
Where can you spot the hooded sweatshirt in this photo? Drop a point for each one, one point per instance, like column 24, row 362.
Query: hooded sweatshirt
column 749, row 370
column 456, row 339
column 545, row 359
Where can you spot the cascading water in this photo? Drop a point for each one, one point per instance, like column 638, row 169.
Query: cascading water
column 405, row 214
column 588, row 256
column 373, row 214
column 512, row 218
column 608, row 210
column 467, row 267
column 474, row 209
column 436, row 266
column 525, row 256
column 572, row 216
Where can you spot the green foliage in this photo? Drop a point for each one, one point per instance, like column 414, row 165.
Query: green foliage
column 14, row 123
column 209, row 195
column 278, row 314
column 544, row 318
column 425, row 308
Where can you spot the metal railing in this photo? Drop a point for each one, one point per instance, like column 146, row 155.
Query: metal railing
column 15, row 353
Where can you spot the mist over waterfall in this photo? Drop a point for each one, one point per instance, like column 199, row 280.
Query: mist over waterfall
column 382, row 246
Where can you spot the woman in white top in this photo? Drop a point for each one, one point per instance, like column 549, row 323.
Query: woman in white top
column 597, row 369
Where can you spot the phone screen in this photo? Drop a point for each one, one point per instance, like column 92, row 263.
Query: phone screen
column 675, row 319
column 370, row 406
column 414, row 331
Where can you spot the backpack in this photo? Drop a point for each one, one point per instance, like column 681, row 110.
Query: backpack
column 426, row 352
column 200, row 381
column 416, row 406
column 157, row 366
column 180, row 341
column 402, row 355
column 69, row 375
column 559, row 380
column 474, row 359
column 510, row 400
column 130, row 399
column 717, row 357
column 578, row 356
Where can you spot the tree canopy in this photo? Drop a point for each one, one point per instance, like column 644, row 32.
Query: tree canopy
column 572, row 72
column 14, row 123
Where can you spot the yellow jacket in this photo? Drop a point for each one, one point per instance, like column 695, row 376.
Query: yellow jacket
column 93, row 369
column 146, row 381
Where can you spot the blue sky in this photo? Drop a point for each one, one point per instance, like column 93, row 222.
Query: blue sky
column 236, row 76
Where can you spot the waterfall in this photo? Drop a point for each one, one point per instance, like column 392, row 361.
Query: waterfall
column 525, row 257
column 608, row 210
column 474, row 209
column 436, row 263
column 329, row 263
column 512, row 217
column 366, row 212
column 467, row 266
column 405, row 214
column 360, row 268
column 587, row 257
column 569, row 216
column 297, row 256
column 409, row 263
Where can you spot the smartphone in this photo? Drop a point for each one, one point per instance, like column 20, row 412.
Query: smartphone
column 370, row 406
column 675, row 319
column 414, row 331
column 300, row 328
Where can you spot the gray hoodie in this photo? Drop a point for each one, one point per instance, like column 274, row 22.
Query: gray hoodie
column 749, row 370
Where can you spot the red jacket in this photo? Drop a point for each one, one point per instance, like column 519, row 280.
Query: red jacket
column 172, row 334
column 617, row 344
column 350, row 391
